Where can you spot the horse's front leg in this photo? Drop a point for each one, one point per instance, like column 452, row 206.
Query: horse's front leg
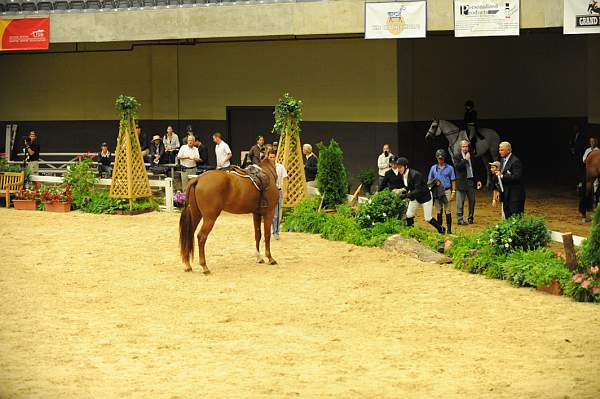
column 257, row 217
column 268, row 223
column 207, row 226
column 487, row 158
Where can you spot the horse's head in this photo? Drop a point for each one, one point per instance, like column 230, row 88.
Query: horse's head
column 434, row 130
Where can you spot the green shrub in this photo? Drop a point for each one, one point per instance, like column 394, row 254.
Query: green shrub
column 382, row 206
column 332, row 180
column 519, row 232
column 462, row 245
column 535, row 268
column 99, row 202
column 80, row 179
column 305, row 218
column 591, row 247
column 338, row 227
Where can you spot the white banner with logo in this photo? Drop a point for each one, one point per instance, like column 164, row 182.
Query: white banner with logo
column 581, row 16
column 396, row 20
column 486, row 18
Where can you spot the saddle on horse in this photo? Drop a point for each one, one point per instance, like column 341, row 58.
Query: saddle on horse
column 259, row 179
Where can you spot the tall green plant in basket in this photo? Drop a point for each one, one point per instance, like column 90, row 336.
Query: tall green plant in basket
column 332, row 180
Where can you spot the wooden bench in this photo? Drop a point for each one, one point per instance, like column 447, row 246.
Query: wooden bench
column 11, row 182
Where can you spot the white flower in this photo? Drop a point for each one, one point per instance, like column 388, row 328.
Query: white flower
column 496, row 226
column 368, row 217
column 510, row 240
column 491, row 240
column 384, row 215
column 369, row 201
column 506, row 245
column 373, row 223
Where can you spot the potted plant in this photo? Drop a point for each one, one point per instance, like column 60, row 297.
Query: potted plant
column 366, row 177
column 26, row 200
column 180, row 199
column 57, row 199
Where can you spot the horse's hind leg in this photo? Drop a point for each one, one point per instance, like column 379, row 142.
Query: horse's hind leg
column 268, row 221
column 256, row 218
column 207, row 226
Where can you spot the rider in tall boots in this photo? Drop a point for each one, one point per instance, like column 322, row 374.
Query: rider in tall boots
column 414, row 187
column 471, row 127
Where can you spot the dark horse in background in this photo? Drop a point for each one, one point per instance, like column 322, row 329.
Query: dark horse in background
column 487, row 147
column 216, row 191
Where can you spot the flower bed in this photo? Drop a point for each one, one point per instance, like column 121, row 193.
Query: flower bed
column 514, row 250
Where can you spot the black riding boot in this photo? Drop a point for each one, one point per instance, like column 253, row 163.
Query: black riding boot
column 440, row 219
column 448, row 223
column 410, row 222
column 438, row 226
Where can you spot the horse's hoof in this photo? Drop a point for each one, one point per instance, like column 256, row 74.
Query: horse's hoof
column 187, row 269
column 260, row 261
column 206, row 272
column 272, row 262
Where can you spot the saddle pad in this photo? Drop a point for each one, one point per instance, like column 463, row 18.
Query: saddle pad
column 245, row 176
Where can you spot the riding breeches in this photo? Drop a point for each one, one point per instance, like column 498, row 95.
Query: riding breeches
column 427, row 209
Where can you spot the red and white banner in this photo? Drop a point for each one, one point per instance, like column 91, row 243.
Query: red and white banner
column 24, row 34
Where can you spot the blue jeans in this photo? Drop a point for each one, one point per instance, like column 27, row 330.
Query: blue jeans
column 276, row 215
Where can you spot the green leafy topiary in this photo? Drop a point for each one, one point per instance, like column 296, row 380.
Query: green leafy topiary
column 383, row 206
column 127, row 105
column 288, row 106
column 519, row 232
column 591, row 247
column 332, row 180
column 305, row 218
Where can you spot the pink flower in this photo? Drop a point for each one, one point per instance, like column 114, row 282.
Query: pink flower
column 586, row 284
column 594, row 269
column 578, row 278
column 596, row 290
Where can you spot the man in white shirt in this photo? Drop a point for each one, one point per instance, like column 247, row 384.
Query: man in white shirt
column 188, row 156
column 222, row 151
column 383, row 162
column 282, row 186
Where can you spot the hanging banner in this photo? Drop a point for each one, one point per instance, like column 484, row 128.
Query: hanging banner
column 486, row 18
column 581, row 16
column 24, row 34
column 396, row 20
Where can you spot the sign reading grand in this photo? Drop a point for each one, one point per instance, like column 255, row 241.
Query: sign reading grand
column 581, row 16
column 396, row 20
column 486, row 18
column 24, row 34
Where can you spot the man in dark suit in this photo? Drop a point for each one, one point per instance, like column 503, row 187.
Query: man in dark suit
column 465, row 183
column 392, row 179
column 310, row 164
column 511, row 174
column 416, row 190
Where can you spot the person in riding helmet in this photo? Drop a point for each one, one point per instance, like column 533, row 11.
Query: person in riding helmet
column 471, row 127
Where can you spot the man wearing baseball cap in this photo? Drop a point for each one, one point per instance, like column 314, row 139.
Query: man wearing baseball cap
column 442, row 181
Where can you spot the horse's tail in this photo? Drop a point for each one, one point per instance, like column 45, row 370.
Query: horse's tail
column 187, row 224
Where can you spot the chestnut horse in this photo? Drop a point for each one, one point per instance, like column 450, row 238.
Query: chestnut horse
column 592, row 172
column 215, row 191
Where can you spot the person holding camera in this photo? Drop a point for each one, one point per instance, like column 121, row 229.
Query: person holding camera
column 384, row 162
column 32, row 153
column 442, row 182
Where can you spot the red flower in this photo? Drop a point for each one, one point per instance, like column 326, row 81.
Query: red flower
column 596, row 290
column 586, row 284
column 578, row 278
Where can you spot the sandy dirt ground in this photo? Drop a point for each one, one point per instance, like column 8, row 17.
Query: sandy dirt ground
column 96, row 306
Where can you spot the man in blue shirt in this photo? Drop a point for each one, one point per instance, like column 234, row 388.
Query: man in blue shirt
column 443, row 187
